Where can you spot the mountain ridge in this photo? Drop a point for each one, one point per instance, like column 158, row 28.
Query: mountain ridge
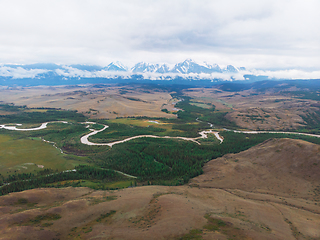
column 186, row 67
column 186, row 72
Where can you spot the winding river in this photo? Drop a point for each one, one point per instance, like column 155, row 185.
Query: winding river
column 203, row 134
column 258, row 132
column 84, row 139
column 43, row 126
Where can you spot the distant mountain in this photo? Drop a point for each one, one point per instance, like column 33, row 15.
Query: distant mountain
column 186, row 67
column 189, row 66
column 214, row 68
column 231, row 69
column 116, row 67
column 142, row 67
column 182, row 73
column 163, row 69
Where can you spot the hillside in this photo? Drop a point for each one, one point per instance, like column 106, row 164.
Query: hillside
column 283, row 167
column 270, row 191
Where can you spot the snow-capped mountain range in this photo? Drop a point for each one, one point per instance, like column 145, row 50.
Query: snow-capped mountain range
column 185, row 72
column 186, row 67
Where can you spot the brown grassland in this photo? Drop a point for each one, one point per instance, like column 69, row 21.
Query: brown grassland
column 264, row 111
column 95, row 102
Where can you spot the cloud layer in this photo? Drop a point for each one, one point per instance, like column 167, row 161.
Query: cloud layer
column 261, row 34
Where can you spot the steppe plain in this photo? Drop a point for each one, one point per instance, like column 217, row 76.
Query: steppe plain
column 265, row 111
column 251, row 110
column 94, row 101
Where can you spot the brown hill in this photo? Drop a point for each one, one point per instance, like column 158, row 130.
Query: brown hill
column 285, row 167
column 265, row 192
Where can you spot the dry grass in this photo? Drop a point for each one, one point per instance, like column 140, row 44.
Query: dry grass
column 257, row 111
column 284, row 167
column 105, row 102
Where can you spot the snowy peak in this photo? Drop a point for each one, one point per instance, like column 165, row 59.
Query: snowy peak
column 116, row 66
column 163, row 69
column 142, row 67
column 190, row 66
column 231, row 69
column 214, row 68
column 183, row 67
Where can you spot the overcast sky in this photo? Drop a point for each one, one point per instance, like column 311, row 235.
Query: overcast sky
column 261, row 34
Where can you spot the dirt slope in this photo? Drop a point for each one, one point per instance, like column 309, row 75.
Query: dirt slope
column 262, row 193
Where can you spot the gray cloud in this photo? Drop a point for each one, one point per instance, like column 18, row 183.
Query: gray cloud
column 255, row 34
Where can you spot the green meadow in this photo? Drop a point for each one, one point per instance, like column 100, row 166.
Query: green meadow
column 30, row 154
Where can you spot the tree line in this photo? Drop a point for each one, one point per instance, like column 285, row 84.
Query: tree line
column 20, row 182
